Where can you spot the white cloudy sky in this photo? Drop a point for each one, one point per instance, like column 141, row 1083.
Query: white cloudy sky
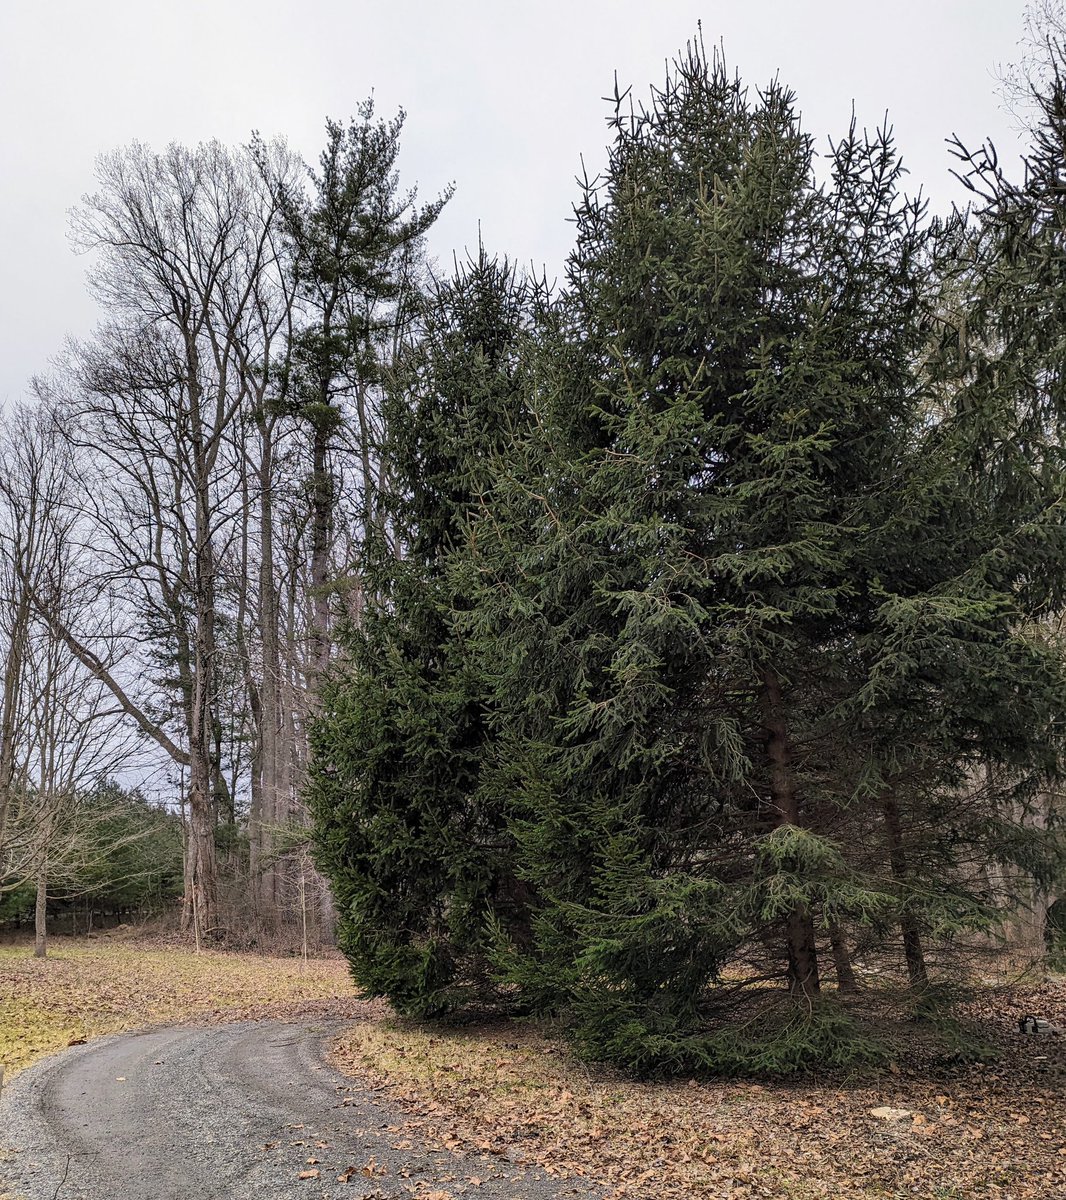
column 502, row 98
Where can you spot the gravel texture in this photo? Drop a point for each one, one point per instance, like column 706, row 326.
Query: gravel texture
column 231, row 1111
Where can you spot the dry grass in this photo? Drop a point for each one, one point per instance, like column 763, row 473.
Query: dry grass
column 994, row 1133
column 84, row 989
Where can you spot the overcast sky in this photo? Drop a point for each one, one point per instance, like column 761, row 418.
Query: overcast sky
column 502, row 99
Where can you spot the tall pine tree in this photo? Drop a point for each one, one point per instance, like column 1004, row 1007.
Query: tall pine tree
column 710, row 645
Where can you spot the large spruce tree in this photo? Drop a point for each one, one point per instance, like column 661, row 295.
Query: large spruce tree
column 770, row 652
column 419, row 862
column 738, row 345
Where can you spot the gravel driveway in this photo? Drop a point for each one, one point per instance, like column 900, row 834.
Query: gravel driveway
column 230, row 1111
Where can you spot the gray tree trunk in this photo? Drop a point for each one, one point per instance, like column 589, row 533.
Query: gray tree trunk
column 40, row 912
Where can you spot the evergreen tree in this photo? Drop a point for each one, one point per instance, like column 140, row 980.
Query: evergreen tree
column 417, row 859
column 767, row 652
column 709, row 642
column 358, row 259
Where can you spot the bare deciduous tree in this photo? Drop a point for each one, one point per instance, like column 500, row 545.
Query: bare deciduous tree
column 1043, row 47
column 61, row 724
column 187, row 256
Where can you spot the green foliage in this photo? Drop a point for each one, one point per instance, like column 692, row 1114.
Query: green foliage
column 17, row 903
column 418, row 860
column 139, row 863
column 701, row 615
column 779, row 1041
column 108, row 848
column 740, row 344
column 357, row 245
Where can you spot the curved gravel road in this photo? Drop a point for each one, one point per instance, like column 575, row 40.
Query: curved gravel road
column 230, row 1111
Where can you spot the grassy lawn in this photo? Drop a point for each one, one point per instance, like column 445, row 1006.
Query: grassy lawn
column 87, row 988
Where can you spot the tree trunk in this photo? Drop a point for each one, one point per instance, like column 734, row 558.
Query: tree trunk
column 199, row 909
column 201, row 876
column 40, row 912
column 269, row 682
column 9, row 701
column 838, row 943
column 799, row 924
column 200, row 902
column 201, row 881
column 321, row 536
column 222, row 801
column 912, row 938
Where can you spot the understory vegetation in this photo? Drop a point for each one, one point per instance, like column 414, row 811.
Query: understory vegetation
column 113, row 855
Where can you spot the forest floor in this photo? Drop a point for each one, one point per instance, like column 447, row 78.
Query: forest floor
column 516, row 1094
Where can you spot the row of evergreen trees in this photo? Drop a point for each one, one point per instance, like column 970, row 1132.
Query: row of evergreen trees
column 705, row 636
column 109, row 851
